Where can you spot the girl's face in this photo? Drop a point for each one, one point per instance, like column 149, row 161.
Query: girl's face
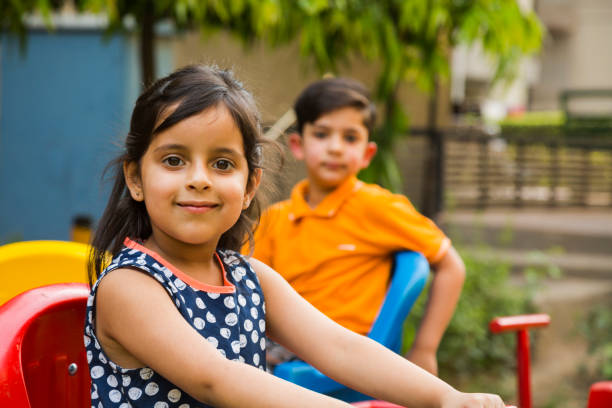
column 193, row 178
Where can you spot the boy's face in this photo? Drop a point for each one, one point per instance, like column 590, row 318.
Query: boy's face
column 334, row 147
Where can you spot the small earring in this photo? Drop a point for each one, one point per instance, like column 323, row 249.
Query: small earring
column 246, row 205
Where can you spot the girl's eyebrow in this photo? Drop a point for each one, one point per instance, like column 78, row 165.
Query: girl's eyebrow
column 226, row 150
column 180, row 147
column 172, row 146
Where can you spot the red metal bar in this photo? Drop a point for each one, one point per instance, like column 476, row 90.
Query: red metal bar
column 519, row 322
column 524, row 380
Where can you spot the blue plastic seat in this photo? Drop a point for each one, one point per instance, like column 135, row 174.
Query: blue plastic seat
column 410, row 272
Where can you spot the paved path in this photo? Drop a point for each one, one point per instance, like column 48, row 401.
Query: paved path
column 582, row 237
column 591, row 222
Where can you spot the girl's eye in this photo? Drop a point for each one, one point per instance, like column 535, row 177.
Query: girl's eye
column 223, row 164
column 173, row 161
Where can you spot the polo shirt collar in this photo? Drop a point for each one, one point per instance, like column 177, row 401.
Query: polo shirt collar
column 328, row 207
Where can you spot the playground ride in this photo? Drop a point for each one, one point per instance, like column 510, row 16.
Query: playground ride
column 43, row 361
column 29, row 264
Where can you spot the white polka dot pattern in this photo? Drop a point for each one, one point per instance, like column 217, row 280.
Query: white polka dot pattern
column 233, row 323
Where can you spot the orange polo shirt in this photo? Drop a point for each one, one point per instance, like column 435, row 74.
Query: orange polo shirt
column 338, row 255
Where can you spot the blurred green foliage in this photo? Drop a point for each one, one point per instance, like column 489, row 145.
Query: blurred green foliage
column 407, row 39
column 537, row 118
column 597, row 329
column 469, row 355
column 468, row 349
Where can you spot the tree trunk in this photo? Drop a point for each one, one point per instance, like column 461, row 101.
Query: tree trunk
column 147, row 44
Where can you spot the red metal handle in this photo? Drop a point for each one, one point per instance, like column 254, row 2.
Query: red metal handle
column 519, row 322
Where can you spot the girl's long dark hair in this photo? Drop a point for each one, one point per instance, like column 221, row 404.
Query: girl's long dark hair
column 191, row 89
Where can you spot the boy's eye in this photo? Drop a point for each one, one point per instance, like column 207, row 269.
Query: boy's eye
column 223, row 164
column 320, row 135
column 173, row 161
column 350, row 138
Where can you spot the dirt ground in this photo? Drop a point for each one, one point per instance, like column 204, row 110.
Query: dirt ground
column 561, row 362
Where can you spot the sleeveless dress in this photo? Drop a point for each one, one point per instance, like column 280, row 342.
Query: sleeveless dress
column 230, row 317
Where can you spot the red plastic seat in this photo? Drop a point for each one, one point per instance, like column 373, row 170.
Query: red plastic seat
column 42, row 356
column 600, row 395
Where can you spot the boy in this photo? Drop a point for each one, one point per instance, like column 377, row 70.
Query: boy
column 333, row 240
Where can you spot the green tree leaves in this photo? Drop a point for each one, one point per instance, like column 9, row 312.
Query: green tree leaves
column 408, row 39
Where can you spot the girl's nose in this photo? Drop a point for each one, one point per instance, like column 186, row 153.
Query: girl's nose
column 198, row 178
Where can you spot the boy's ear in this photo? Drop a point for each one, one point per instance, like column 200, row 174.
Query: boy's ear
column 296, row 145
column 368, row 155
column 252, row 187
column 131, row 174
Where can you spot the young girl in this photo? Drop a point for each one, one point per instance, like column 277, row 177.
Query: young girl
column 179, row 318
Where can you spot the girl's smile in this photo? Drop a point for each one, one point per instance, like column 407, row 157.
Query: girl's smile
column 193, row 179
column 197, row 207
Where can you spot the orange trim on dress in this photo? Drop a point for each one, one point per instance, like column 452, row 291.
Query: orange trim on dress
column 227, row 287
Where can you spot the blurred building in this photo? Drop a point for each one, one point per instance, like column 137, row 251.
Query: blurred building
column 576, row 54
column 577, row 51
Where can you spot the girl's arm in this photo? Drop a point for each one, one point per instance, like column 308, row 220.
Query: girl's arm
column 137, row 321
column 352, row 359
column 443, row 296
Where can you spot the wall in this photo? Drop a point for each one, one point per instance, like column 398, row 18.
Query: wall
column 62, row 101
column 577, row 52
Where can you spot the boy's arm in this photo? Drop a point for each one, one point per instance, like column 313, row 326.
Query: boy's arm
column 449, row 274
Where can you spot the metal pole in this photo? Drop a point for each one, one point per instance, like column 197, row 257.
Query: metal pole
column 524, row 381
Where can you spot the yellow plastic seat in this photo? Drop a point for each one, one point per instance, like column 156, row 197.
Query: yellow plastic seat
column 30, row 264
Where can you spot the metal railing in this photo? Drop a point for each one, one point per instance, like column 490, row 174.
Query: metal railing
column 526, row 171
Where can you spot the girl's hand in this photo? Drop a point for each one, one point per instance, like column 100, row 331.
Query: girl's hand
column 465, row 400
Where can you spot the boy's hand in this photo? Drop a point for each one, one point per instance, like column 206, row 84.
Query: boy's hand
column 426, row 359
column 464, row 400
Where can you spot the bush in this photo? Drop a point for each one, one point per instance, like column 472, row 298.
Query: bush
column 597, row 329
column 468, row 349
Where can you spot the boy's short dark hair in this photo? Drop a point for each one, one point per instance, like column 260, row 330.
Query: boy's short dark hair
column 327, row 95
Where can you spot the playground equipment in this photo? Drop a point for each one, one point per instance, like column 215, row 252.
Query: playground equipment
column 43, row 361
column 410, row 272
column 42, row 355
column 600, row 394
column 29, row 264
column 521, row 324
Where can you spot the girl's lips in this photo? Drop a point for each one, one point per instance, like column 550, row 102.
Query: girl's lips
column 197, row 208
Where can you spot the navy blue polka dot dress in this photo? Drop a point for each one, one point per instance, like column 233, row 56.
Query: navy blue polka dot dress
column 231, row 317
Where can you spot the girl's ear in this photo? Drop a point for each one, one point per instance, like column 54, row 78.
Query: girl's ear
column 252, row 187
column 296, row 145
column 131, row 173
